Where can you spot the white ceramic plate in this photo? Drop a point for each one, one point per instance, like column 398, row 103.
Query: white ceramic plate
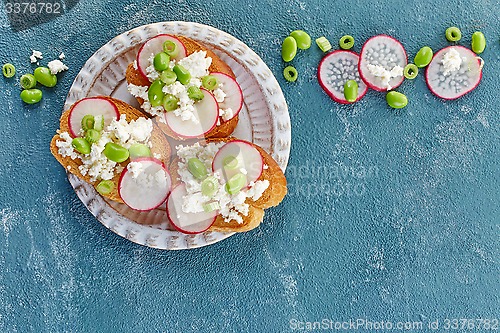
column 264, row 120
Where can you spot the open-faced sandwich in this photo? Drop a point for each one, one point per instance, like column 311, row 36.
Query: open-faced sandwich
column 210, row 181
column 186, row 87
column 118, row 150
column 224, row 185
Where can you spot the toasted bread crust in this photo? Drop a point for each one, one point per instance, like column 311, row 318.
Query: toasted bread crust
column 220, row 131
column 158, row 140
column 272, row 196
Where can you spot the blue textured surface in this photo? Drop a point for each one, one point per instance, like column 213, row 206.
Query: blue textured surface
column 404, row 227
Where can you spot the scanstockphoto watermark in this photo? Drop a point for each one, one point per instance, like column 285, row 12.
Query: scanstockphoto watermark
column 331, row 179
column 358, row 324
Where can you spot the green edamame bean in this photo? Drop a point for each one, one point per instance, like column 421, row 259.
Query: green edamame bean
column 195, row 93
column 168, row 77
column 45, row 77
column 396, row 99
column 288, row 49
column 197, row 168
column 139, row 150
column 302, row 38
column 478, row 42
column 161, row 61
column 236, row 183
column 31, row 96
column 81, row 145
column 351, row 91
column 423, row 57
column 182, row 73
column 155, row 93
column 170, row 102
column 115, row 152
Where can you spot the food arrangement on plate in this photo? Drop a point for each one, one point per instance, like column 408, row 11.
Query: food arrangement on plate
column 177, row 151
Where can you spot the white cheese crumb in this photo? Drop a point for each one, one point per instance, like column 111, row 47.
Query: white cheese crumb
column 196, row 63
column 219, row 95
column 385, row 75
column 136, row 168
column 451, row 61
column 227, row 114
column 62, row 56
column 56, row 66
column 35, row 56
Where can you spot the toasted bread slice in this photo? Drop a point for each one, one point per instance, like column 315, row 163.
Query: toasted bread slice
column 220, row 131
column 159, row 142
column 271, row 197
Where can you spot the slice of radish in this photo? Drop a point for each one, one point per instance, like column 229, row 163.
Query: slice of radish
column 189, row 223
column 147, row 186
column 206, row 112
column 455, row 83
column 335, row 70
column 234, row 95
column 154, row 46
column 378, row 62
column 91, row 106
column 250, row 160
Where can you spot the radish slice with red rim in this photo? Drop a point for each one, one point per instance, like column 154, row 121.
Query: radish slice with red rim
column 381, row 63
column 456, row 83
column 154, row 46
column 144, row 184
column 335, row 70
column 206, row 113
column 250, row 161
column 188, row 223
column 234, row 96
column 94, row 106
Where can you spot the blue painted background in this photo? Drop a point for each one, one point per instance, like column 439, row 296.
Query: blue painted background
column 404, row 226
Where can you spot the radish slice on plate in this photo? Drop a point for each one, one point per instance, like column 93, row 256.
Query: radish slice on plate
column 234, row 96
column 188, row 223
column 206, row 113
column 381, row 63
column 154, row 46
column 452, row 83
column 247, row 160
column 335, row 70
column 94, row 106
column 144, row 184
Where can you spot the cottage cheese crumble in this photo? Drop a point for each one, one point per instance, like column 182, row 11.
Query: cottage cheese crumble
column 451, row 62
column 385, row 75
